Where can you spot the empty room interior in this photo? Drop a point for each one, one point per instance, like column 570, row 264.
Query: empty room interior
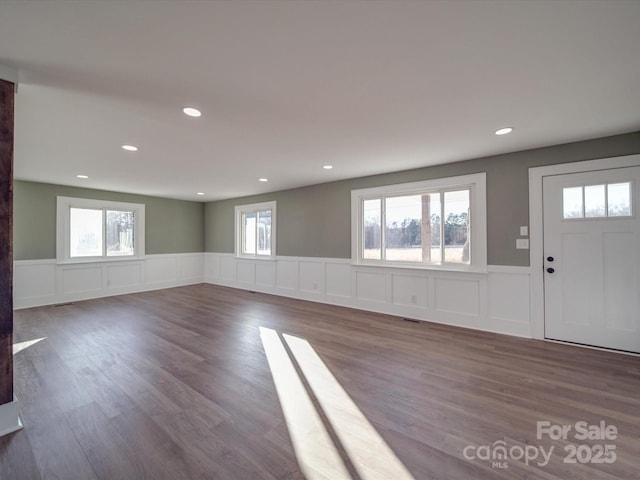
column 317, row 240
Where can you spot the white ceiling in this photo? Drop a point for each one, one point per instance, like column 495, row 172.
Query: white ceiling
column 288, row 86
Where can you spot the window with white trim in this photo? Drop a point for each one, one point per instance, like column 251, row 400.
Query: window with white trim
column 430, row 224
column 94, row 230
column 255, row 230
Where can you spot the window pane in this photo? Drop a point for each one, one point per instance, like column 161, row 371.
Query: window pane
column 264, row 232
column 431, row 252
column 572, row 202
column 456, row 226
column 249, row 233
column 85, row 232
column 594, row 201
column 119, row 233
column 372, row 234
column 403, row 217
column 619, row 199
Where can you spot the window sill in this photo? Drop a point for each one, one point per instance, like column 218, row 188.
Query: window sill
column 100, row 260
column 423, row 267
column 255, row 257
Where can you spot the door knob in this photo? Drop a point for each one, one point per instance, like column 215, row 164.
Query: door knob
column 550, row 270
column 549, row 259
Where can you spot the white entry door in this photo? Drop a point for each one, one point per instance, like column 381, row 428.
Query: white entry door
column 592, row 258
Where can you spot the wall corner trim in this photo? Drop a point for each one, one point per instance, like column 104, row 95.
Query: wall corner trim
column 10, row 420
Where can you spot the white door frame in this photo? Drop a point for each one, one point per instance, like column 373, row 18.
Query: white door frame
column 536, row 245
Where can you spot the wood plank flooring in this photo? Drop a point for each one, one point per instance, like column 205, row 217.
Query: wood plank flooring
column 176, row 384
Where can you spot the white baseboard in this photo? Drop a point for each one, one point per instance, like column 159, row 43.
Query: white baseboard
column 495, row 301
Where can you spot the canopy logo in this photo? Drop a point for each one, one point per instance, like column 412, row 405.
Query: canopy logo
column 499, row 453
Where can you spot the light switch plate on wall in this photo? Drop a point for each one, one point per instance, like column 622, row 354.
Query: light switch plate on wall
column 522, row 243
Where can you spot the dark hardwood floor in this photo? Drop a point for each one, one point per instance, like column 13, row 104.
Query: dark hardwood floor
column 209, row 382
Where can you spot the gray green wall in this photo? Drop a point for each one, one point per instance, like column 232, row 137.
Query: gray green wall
column 171, row 226
column 315, row 221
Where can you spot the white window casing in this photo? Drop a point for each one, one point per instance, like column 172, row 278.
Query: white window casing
column 477, row 228
column 263, row 235
column 64, row 205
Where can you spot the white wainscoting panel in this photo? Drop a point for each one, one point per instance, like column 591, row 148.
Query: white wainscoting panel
column 371, row 286
column 266, row 273
column 458, row 295
column 246, row 271
column 509, row 296
column 228, row 268
column 211, row 266
column 81, row 279
column 311, row 276
column 287, row 275
column 338, row 279
column 409, row 290
column 120, row 276
column 35, row 280
column 190, row 268
column 497, row 300
column 45, row 282
column 160, row 269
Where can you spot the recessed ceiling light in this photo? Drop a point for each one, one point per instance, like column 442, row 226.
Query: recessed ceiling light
column 82, row 176
column 504, row 131
column 327, row 167
column 192, row 112
column 130, row 148
column 200, row 193
column 263, row 179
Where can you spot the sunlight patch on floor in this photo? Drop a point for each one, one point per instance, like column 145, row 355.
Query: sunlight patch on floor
column 369, row 453
column 18, row 347
column 365, row 449
column 317, row 455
